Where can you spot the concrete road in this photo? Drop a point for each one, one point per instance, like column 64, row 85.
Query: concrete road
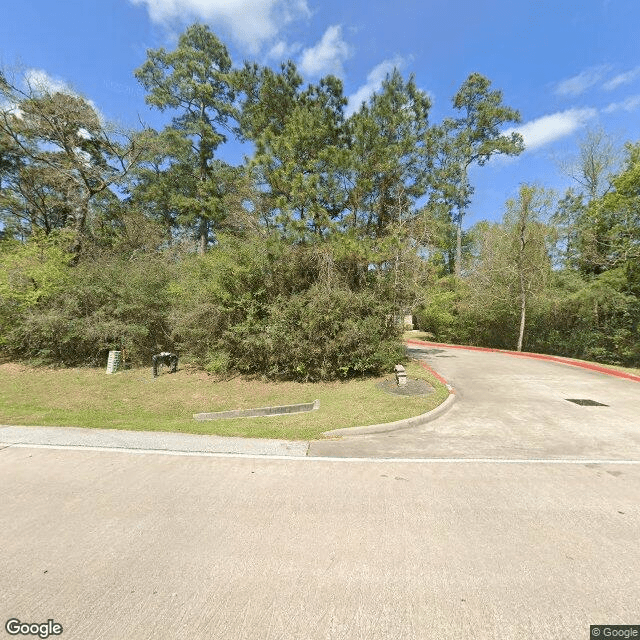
column 138, row 546
column 512, row 407
column 160, row 536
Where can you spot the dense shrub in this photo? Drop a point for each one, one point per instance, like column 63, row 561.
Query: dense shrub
column 30, row 275
column 105, row 304
column 592, row 318
column 438, row 314
column 258, row 307
column 320, row 334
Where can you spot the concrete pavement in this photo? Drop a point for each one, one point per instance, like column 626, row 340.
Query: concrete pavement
column 147, row 441
column 143, row 546
column 146, row 536
column 508, row 407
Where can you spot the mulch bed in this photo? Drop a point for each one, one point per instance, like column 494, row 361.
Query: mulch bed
column 412, row 388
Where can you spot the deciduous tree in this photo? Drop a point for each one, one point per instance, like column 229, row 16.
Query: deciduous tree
column 58, row 157
column 474, row 137
column 512, row 259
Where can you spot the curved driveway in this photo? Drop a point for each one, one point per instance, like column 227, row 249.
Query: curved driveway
column 512, row 408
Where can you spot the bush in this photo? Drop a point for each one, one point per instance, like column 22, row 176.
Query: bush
column 438, row 314
column 320, row 334
column 31, row 274
column 256, row 307
column 107, row 304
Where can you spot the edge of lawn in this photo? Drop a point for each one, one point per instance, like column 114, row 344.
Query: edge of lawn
column 133, row 400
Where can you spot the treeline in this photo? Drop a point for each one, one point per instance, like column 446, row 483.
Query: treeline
column 558, row 275
column 298, row 262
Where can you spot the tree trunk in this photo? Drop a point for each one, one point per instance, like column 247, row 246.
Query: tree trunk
column 458, row 264
column 79, row 222
column 204, row 236
column 524, row 216
column 523, row 306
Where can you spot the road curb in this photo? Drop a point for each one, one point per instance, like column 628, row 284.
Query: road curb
column 536, row 356
column 407, row 422
column 400, row 424
column 433, row 372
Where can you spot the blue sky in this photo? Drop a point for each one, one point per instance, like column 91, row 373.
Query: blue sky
column 567, row 66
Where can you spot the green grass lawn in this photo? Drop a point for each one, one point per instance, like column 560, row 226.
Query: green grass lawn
column 87, row 397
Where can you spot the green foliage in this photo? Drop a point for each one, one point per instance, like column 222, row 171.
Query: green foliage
column 438, row 314
column 611, row 224
column 106, row 304
column 214, row 292
column 601, row 228
column 194, row 80
column 509, row 270
column 264, row 307
column 31, row 274
column 301, row 156
column 390, row 156
column 35, row 270
column 338, row 223
column 60, row 158
column 472, row 138
column 593, row 319
column 319, row 334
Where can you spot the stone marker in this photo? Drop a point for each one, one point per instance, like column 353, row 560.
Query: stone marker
column 114, row 361
column 401, row 375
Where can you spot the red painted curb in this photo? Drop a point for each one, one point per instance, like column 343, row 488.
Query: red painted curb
column 538, row 356
column 424, row 365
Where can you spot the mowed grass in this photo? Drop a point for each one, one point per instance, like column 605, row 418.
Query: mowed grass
column 132, row 399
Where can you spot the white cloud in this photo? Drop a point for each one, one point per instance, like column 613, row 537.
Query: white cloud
column 373, row 83
column 579, row 84
column 327, row 56
column 547, row 129
column 41, row 81
column 630, row 104
column 622, row 78
column 11, row 108
column 83, row 156
column 282, row 51
column 251, row 23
